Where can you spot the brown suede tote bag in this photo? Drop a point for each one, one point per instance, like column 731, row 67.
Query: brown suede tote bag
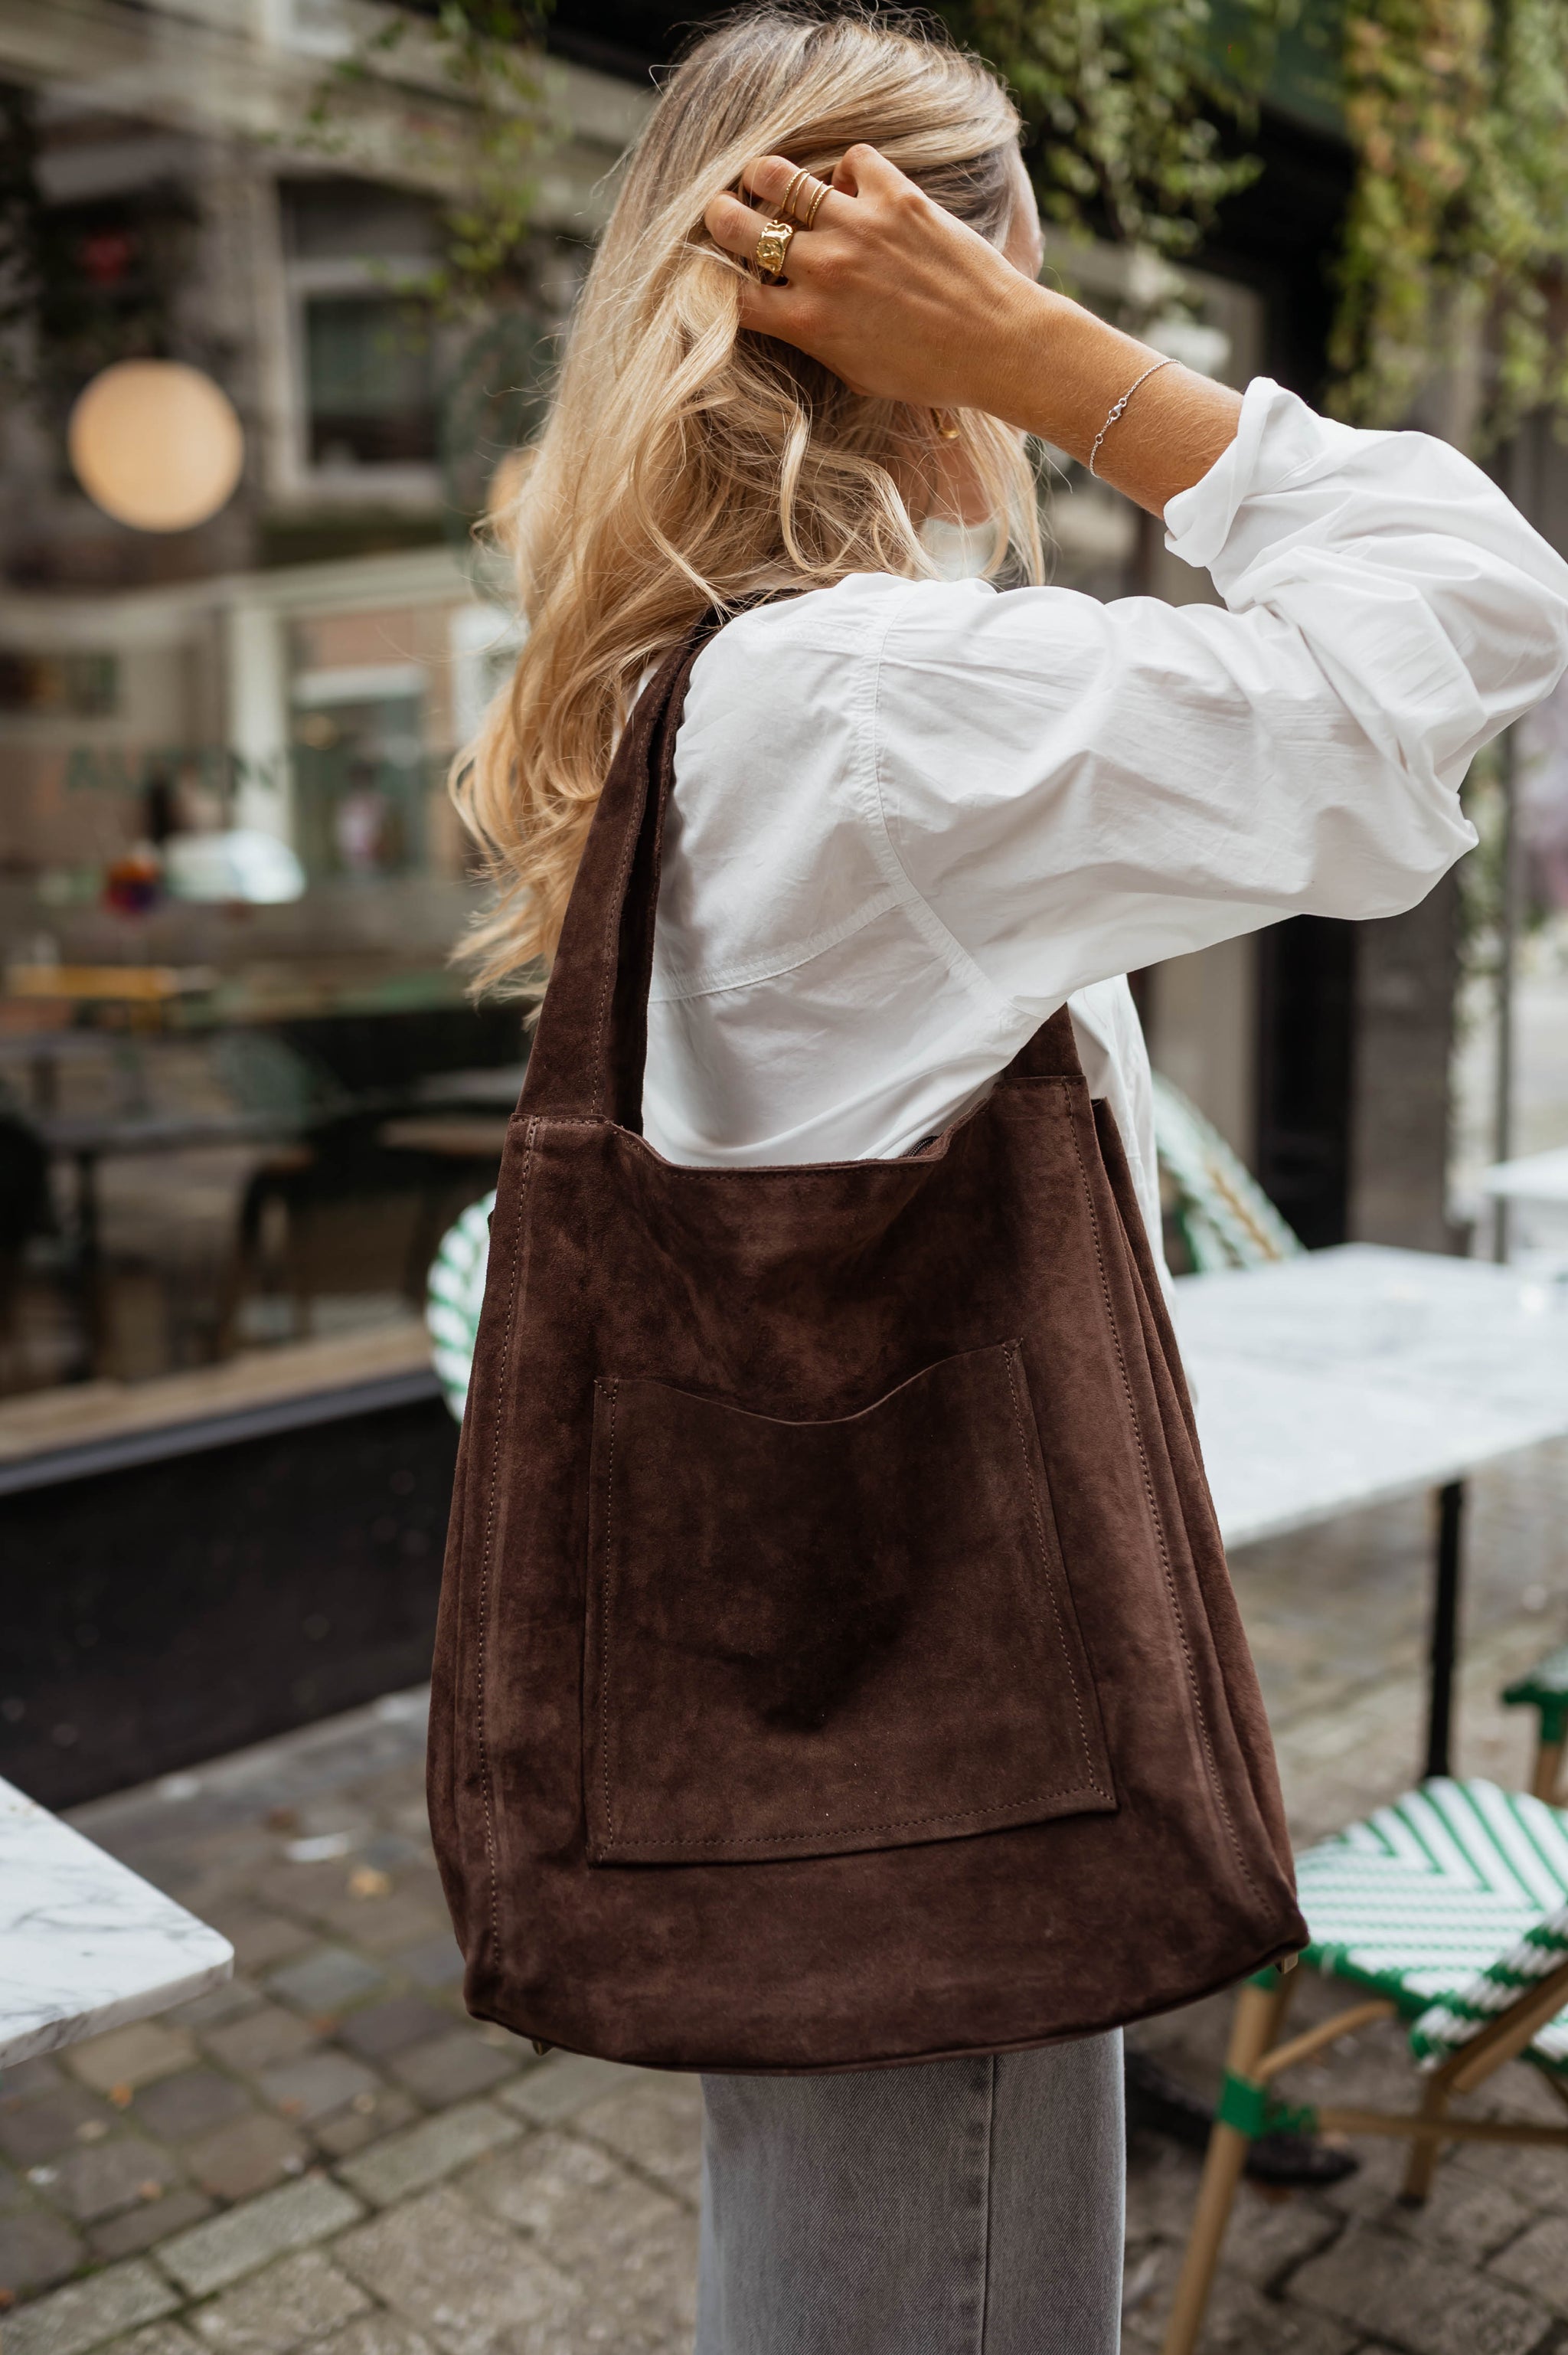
column 837, row 1663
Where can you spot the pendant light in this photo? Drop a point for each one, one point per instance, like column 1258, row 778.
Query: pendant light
column 156, row 444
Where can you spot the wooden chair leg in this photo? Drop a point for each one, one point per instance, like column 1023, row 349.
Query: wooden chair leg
column 1423, row 2162
column 1259, row 2014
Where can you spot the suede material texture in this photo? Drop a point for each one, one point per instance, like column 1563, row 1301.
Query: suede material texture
column 837, row 1663
column 808, row 1637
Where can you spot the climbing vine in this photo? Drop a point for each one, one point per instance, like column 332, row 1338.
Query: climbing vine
column 1127, row 104
column 1453, row 277
column 484, row 57
column 1457, row 245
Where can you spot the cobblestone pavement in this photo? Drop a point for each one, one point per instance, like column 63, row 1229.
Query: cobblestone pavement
column 327, row 2154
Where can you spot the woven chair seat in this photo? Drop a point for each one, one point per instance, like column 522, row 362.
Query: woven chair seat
column 1447, row 1902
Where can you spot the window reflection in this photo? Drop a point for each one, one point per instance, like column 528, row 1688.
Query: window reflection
column 241, row 1089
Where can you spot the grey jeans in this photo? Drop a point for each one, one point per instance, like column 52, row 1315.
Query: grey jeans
column 952, row 2208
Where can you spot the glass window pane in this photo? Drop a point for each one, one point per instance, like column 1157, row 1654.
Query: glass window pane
column 369, row 380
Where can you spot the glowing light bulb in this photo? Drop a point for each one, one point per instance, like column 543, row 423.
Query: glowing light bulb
column 155, row 445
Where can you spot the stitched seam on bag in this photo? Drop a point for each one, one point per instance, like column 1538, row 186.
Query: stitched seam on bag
column 1209, row 1762
column 610, row 960
column 609, row 963
column 843, row 1831
column 797, row 1170
column 484, row 1776
column 604, row 1620
column 1008, row 1349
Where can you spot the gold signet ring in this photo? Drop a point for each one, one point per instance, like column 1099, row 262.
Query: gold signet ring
column 773, row 247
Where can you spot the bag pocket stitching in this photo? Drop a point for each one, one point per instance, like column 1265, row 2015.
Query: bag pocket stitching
column 899, row 1823
column 485, row 1779
column 1010, row 1353
column 896, row 1824
column 1209, row 1762
column 604, row 1625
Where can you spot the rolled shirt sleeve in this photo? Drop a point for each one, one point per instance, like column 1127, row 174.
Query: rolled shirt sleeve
column 1076, row 788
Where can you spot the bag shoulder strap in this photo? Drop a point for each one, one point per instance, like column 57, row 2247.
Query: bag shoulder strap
column 591, row 1043
column 592, row 1037
column 1051, row 1054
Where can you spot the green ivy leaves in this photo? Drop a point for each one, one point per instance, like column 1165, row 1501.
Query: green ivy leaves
column 1457, row 245
column 1121, row 99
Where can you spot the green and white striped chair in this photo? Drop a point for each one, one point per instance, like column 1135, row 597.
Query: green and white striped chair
column 1222, row 1214
column 1449, row 1911
column 1545, row 1689
column 454, row 1293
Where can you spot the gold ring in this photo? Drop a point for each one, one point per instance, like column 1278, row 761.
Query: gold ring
column 821, row 188
column 773, row 247
column 787, row 202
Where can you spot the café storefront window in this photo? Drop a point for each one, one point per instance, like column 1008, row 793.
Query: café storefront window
column 245, row 433
column 243, row 628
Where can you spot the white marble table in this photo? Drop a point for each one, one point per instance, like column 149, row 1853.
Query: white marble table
column 1354, row 1375
column 85, row 1943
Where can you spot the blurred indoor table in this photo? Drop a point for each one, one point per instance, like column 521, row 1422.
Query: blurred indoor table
column 86, row 1138
column 41, row 1054
column 1533, row 1178
column 1350, row 1376
column 85, row 1943
column 499, row 1083
column 453, row 1137
column 96, row 1134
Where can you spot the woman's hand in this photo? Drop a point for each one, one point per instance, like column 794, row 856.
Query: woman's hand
column 885, row 288
column 901, row 300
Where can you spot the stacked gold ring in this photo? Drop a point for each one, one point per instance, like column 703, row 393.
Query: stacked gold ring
column 790, row 202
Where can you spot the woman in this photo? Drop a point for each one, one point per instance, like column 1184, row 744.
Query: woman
column 913, row 814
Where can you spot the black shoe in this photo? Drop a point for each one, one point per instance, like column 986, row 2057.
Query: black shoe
column 1161, row 2104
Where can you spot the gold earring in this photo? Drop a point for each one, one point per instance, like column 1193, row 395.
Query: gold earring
column 947, row 424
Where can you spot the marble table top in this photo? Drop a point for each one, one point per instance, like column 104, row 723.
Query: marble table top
column 1357, row 1374
column 1533, row 1178
column 85, row 1945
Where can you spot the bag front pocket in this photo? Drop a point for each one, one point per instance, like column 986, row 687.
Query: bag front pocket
column 805, row 1638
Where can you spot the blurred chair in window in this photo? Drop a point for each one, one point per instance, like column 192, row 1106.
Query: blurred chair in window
column 29, row 1243
column 343, row 1216
column 266, row 1075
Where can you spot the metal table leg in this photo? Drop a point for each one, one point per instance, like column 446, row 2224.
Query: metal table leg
column 1450, row 1517
column 89, row 1266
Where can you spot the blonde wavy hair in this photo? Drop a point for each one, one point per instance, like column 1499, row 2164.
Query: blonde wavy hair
column 687, row 464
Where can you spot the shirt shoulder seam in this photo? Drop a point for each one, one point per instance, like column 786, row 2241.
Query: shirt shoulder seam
column 955, row 957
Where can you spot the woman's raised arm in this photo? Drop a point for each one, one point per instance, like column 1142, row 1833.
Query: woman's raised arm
column 900, row 299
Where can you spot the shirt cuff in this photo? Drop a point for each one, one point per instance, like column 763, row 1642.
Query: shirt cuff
column 1277, row 436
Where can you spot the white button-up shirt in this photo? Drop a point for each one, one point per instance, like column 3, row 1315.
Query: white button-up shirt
column 911, row 818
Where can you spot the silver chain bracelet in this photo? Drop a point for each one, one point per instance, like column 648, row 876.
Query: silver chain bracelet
column 1118, row 407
